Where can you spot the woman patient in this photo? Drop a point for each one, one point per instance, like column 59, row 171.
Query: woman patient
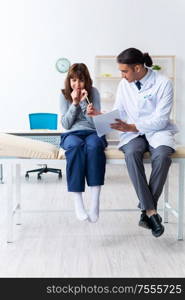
column 84, row 149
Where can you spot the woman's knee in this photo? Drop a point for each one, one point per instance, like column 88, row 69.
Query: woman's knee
column 72, row 142
column 94, row 144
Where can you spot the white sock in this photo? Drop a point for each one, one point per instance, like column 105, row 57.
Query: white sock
column 80, row 211
column 95, row 203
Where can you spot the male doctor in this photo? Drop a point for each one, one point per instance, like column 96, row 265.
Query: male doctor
column 144, row 100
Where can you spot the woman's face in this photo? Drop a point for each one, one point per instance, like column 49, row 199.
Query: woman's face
column 76, row 83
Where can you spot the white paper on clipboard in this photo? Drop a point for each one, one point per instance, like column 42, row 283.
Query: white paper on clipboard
column 102, row 122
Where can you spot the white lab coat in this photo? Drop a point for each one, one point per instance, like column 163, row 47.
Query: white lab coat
column 148, row 108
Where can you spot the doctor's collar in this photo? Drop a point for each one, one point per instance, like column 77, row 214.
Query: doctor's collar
column 145, row 78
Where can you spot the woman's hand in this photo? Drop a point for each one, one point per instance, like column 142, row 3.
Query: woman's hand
column 76, row 96
column 83, row 95
column 91, row 111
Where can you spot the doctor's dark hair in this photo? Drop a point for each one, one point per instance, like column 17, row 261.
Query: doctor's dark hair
column 81, row 72
column 133, row 56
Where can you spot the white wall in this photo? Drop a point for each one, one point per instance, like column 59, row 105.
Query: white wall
column 35, row 33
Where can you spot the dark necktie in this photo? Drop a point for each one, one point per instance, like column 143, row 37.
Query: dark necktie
column 138, row 84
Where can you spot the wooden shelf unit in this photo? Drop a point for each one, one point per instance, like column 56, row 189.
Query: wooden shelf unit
column 107, row 77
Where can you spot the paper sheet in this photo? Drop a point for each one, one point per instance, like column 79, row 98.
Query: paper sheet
column 102, row 122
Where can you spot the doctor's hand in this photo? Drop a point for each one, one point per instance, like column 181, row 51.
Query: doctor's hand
column 91, row 111
column 123, row 126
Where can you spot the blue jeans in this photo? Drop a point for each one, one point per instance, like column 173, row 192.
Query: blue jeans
column 85, row 159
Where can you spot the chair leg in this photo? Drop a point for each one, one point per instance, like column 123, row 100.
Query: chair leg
column 41, row 172
column 44, row 170
column 36, row 170
column 58, row 171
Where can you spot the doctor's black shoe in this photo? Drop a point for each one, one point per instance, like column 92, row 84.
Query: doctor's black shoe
column 144, row 221
column 159, row 217
column 156, row 226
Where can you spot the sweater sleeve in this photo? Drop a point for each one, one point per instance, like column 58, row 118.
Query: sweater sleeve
column 96, row 103
column 69, row 112
column 161, row 116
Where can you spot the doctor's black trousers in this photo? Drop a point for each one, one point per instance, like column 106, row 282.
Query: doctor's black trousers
column 148, row 192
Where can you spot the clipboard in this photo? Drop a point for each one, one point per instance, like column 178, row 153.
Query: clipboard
column 102, row 122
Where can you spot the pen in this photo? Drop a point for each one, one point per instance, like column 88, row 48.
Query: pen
column 88, row 100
